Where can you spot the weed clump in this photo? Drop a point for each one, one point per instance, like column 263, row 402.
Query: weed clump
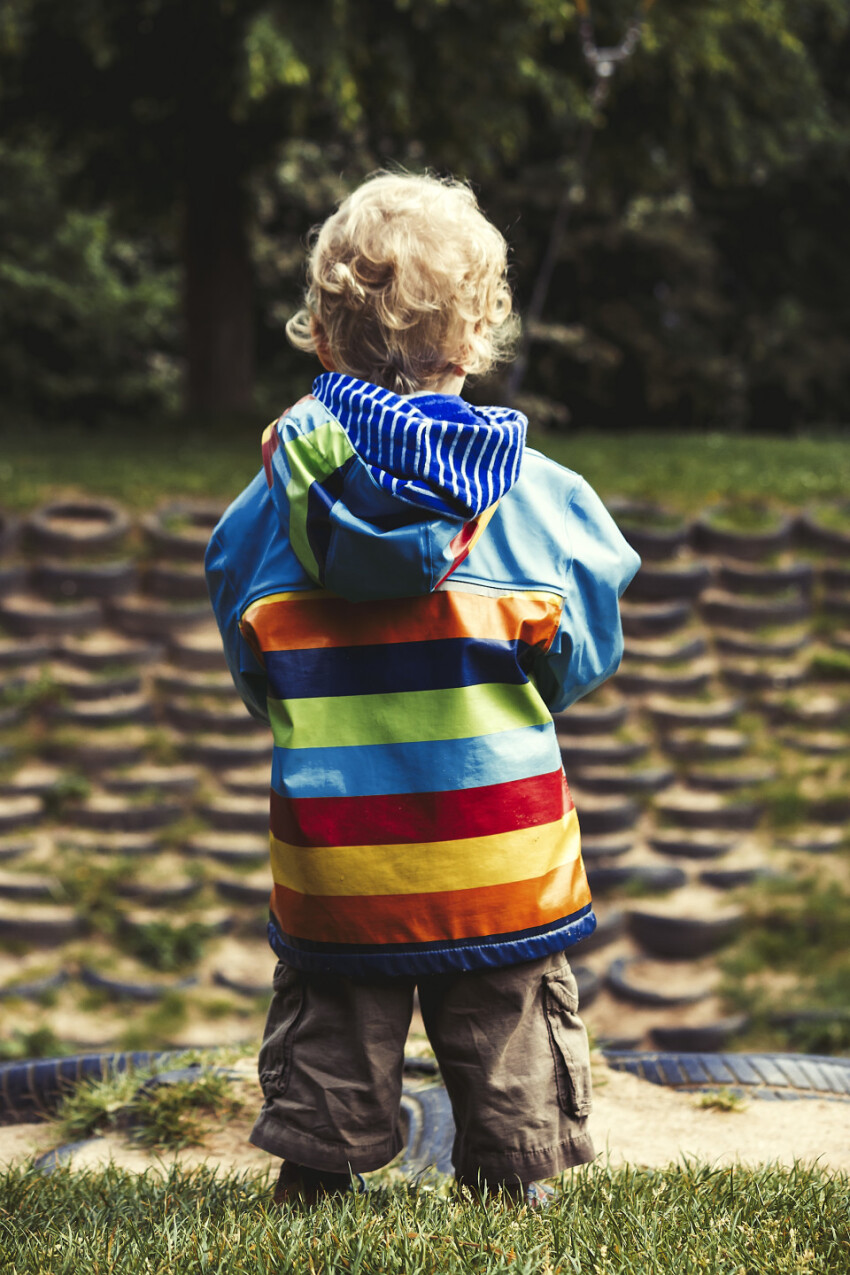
column 154, row 1113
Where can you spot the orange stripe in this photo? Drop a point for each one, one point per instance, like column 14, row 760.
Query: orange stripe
column 427, row 918
column 322, row 620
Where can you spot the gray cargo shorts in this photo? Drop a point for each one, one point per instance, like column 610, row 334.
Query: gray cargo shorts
column 512, row 1051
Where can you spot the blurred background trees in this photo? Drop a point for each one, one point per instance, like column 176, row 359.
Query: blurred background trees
column 162, row 161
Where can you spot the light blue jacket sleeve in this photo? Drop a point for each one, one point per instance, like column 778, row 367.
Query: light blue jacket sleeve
column 588, row 645
column 247, row 672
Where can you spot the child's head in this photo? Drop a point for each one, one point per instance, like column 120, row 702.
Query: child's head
column 407, row 285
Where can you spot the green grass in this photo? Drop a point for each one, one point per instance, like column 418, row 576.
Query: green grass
column 834, row 517
column 831, row 666
column 166, row 947
column 799, row 926
column 744, row 516
column 691, row 472
column 41, row 1042
column 157, row 1025
column 722, row 1100
column 624, row 1222
column 168, row 1115
column 144, row 465
column 32, row 693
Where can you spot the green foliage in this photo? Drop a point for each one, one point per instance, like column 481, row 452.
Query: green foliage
column 796, row 924
column 705, row 279
column 163, row 946
column 90, row 885
column 820, row 1035
column 623, row 1222
column 41, row 1042
column 785, row 804
column 87, row 315
column 69, row 787
column 31, row 692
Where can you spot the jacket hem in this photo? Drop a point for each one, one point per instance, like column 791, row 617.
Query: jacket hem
column 476, row 955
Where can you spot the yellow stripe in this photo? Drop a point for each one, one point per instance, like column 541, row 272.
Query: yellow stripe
column 483, row 520
column 298, row 595
column 430, row 867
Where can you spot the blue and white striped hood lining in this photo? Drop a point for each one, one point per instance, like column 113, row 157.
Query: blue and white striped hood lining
column 434, row 450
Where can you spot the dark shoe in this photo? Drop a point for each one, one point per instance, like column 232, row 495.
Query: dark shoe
column 299, row 1186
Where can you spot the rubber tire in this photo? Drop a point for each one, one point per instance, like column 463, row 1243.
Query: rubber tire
column 142, row 993
column 617, row 980
column 750, row 546
column 622, row 876
column 681, row 937
column 40, row 531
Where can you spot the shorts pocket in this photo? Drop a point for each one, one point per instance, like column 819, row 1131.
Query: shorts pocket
column 285, row 1012
column 568, row 1038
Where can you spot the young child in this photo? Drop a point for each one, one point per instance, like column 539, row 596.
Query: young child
column 406, row 595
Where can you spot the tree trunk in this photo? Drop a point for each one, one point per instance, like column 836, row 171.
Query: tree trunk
column 218, row 285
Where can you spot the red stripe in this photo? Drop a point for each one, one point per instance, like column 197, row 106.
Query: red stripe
column 270, row 446
column 401, row 818
column 460, row 546
column 464, row 536
column 427, row 918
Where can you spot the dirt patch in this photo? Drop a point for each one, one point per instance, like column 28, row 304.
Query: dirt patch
column 633, row 1123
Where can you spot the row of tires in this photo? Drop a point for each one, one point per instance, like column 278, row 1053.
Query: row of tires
column 178, row 529
column 657, row 534
column 182, row 527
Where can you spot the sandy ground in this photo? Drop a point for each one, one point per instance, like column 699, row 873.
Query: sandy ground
column 633, row 1122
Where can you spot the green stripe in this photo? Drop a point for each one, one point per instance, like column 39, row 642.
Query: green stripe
column 405, row 717
column 311, row 458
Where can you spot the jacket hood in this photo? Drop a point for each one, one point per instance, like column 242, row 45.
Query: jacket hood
column 382, row 495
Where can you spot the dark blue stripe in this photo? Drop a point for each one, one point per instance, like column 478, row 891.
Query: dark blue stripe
column 397, row 666
column 321, row 498
column 418, row 959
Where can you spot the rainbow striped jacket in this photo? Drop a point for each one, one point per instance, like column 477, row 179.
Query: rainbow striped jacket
column 406, row 594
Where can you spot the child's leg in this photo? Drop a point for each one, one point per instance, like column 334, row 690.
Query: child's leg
column 331, row 1067
column 514, row 1056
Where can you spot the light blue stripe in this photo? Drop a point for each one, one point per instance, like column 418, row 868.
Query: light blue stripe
column 433, row 766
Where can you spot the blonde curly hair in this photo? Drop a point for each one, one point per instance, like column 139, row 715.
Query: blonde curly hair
column 406, row 283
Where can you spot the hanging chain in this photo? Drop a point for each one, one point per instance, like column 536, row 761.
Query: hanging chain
column 603, row 62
